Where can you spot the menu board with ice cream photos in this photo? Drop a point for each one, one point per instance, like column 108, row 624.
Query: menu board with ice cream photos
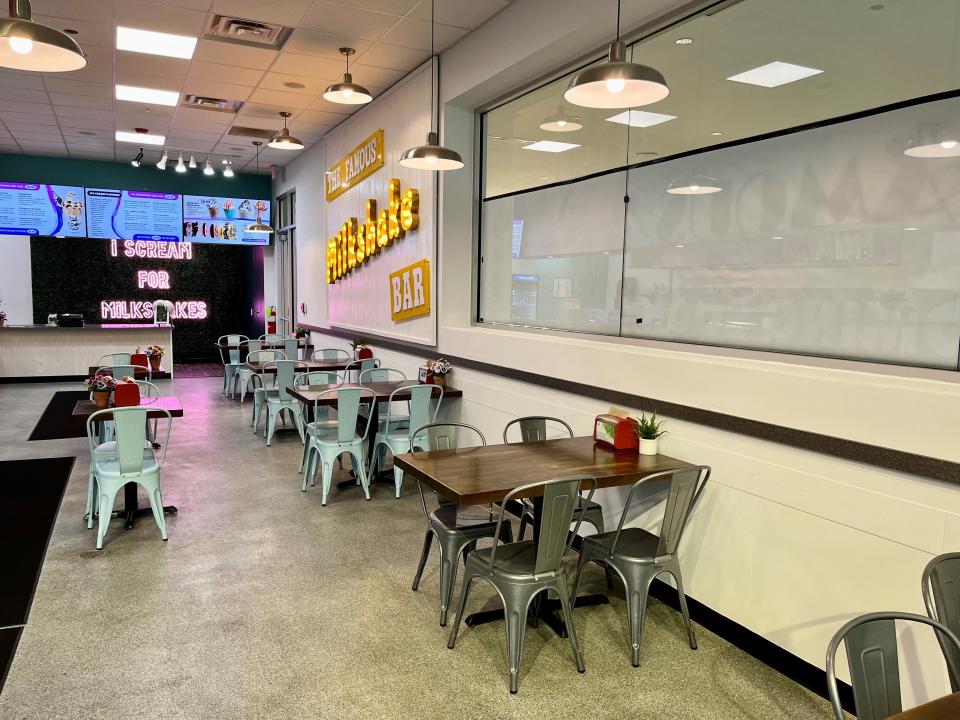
column 133, row 215
column 41, row 210
column 224, row 221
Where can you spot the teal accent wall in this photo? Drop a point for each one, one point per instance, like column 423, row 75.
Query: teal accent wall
column 123, row 176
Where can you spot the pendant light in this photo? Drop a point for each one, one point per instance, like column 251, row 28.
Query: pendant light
column 433, row 155
column 207, row 168
column 136, row 161
column 347, row 92
column 694, row 185
column 259, row 226
column 616, row 83
column 28, row 45
column 561, row 122
column 228, row 171
column 933, row 142
column 192, row 164
column 283, row 140
column 162, row 162
column 180, row 168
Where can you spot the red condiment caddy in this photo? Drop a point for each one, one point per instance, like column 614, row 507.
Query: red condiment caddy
column 126, row 394
column 618, row 433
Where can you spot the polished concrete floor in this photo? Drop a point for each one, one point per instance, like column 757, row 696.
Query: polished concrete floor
column 263, row 604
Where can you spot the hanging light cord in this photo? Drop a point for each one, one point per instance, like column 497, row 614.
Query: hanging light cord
column 433, row 8
column 618, row 20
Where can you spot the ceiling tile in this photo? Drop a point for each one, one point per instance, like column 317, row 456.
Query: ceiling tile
column 311, row 42
column 219, row 73
column 224, row 53
column 87, row 113
column 75, row 87
column 84, row 101
column 329, row 107
column 25, row 81
column 89, row 33
column 261, row 122
column 394, row 57
column 204, row 117
column 14, row 119
column 87, row 124
column 376, row 76
column 319, row 117
column 308, row 66
column 90, row 74
column 413, row 33
column 284, row 100
column 140, row 78
column 159, row 18
column 40, row 137
column 28, row 108
column 96, row 11
column 16, row 96
column 199, row 5
column 257, row 110
column 288, row 12
column 327, row 17
column 468, row 14
column 277, row 81
column 394, row 7
column 215, row 89
column 173, row 68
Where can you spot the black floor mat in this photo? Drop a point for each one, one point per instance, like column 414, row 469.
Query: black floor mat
column 57, row 422
column 30, row 495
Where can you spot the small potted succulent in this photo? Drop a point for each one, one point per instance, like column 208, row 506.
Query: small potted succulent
column 3, row 318
column 154, row 354
column 439, row 369
column 649, row 431
column 301, row 332
column 100, row 387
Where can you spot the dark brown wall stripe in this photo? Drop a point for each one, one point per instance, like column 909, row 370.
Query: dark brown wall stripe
column 875, row 455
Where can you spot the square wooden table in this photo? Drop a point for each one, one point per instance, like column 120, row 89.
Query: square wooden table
column 138, row 373
column 303, row 365
column 945, row 708
column 155, row 407
column 481, row 475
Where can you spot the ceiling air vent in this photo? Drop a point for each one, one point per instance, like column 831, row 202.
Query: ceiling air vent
column 210, row 103
column 249, row 132
column 247, row 32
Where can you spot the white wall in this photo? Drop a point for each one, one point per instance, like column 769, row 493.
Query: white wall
column 787, row 542
column 16, row 290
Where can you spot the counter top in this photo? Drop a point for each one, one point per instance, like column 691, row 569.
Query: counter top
column 88, row 327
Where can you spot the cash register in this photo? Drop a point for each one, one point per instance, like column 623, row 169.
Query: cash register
column 66, row 320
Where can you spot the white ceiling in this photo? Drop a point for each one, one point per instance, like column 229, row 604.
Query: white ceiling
column 75, row 114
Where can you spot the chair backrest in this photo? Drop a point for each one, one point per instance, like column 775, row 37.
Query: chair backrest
column 418, row 403
column 537, row 428
column 359, row 366
column 263, row 356
column 121, row 371
column 871, row 644
column 232, row 355
column 147, row 389
column 446, row 436
column 114, row 359
column 330, row 354
column 290, row 348
column 349, row 401
column 686, row 486
column 318, row 377
column 130, row 429
column 252, row 346
column 554, row 537
column 940, row 585
column 286, row 369
column 272, row 338
column 379, row 374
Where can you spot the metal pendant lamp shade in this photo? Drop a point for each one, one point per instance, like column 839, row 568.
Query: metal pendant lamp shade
column 432, row 156
column 694, row 185
column 616, row 83
column 933, row 142
column 347, row 92
column 561, row 122
column 259, row 226
column 27, row 45
column 283, row 140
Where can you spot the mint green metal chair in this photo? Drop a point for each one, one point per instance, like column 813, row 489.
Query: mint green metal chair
column 265, row 381
column 354, row 368
column 328, row 440
column 230, row 357
column 272, row 338
column 133, row 462
column 522, row 570
column 330, row 354
column 379, row 374
column 291, row 348
column 279, row 399
column 115, row 359
column 315, row 377
column 244, row 374
column 395, row 435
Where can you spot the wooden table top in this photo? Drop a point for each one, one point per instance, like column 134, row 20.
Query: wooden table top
column 86, row 408
column 309, row 393
column 301, row 342
column 304, row 365
column 479, row 475
column 945, row 708
column 138, row 374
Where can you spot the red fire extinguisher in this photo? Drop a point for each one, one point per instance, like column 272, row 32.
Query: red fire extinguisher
column 272, row 319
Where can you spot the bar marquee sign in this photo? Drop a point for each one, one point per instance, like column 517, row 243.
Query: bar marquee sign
column 361, row 162
column 357, row 242
column 410, row 291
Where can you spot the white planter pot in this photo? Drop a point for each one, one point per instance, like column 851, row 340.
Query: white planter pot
column 649, row 447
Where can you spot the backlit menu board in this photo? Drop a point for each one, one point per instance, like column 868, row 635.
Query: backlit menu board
column 134, row 215
column 224, row 221
column 41, row 210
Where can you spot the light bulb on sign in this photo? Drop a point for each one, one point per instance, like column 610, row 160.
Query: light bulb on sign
column 615, row 85
column 21, row 45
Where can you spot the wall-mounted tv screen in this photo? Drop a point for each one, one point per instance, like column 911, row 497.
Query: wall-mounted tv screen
column 41, row 210
column 223, row 221
column 134, row 215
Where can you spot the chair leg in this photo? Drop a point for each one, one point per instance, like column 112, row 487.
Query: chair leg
column 515, row 613
column 675, row 571
column 271, row 423
column 156, row 505
column 106, row 511
column 298, row 419
column 449, row 557
column 562, row 591
column 397, row 480
column 91, row 496
column 303, row 455
column 427, row 542
column 356, row 459
column 326, row 476
column 581, row 564
column 243, row 388
column 467, row 581
column 638, row 587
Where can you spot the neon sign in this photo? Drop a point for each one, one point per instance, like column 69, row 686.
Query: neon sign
column 153, row 249
column 153, row 279
column 357, row 242
column 139, row 310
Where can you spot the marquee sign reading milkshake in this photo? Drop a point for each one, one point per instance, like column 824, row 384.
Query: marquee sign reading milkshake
column 357, row 242
column 361, row 162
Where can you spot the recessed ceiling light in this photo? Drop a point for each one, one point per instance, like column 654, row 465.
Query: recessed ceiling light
column 155, row 43
column 716, row 133
column 294, row 85
column 550, row 146
column 640, row 118
column 774, row 74
column 777, row 237
column 679, row 246
column 147, row 95
column 85, row 132
column 140, row 138
column 911, row 228
column 684, row 41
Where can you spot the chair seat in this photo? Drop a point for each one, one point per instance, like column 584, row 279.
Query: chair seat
column 109, row 449
column 516, row 560
column 636, row 545
column 471, row 519
column 110, row 467
column 582, row 506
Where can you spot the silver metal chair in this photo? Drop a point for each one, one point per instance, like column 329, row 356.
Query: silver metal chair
column 330, row 354
column 522, row 570
column 871, row 644
column 456, row 532
column 941, row 596
column 638, row 556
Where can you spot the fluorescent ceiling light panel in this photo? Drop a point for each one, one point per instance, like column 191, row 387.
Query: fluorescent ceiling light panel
column 550, row 146
column 155, row 43
column 774, row 74
column 640, row 118
column 140, row 138
column 148, row 95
